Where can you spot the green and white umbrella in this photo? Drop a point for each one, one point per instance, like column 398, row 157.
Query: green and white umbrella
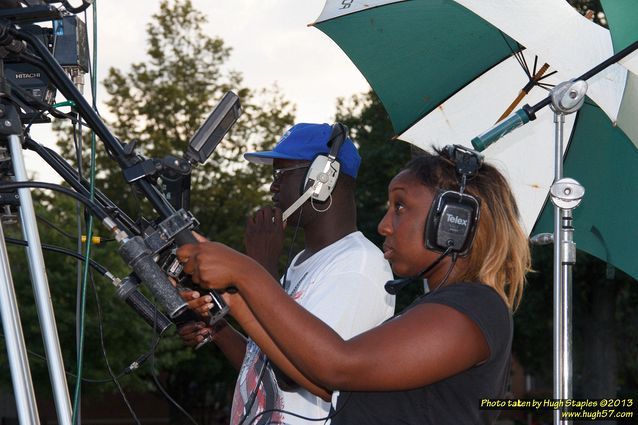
column 445, row 71
column 622, row 18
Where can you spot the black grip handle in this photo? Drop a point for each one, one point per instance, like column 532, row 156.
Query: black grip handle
column 219, row 309
column 130, row 293
column 135, row 252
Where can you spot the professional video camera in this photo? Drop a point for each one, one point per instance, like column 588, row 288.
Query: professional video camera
column 66, row 39
column 37, row 61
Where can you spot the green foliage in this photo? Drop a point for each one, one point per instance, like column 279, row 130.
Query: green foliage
column 122, row 323
column 381, row 157
column 158, row 104
column 583, row 6
column 533, row 341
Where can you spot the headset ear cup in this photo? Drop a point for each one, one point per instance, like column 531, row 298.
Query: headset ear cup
column 452, row 222
column 306, row 181
column 430, row 230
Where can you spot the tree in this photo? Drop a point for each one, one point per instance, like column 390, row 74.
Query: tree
column 382, row 157
column 159, row 104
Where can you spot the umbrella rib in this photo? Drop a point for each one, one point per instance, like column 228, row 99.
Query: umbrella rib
column 547, row 75
column 525, row 90
column 518, row 55
column 524, row 65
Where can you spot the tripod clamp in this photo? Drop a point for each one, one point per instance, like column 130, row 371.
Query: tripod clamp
column 567, row 193
column 568, row 96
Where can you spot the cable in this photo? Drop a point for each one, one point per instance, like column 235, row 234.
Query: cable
column 447, row 274
column 126, row 371
column 163, row 391
column 106, row 360
column 253, row 395
column 76, row 10
column 77, row 131
column 132, row 366
column 89, row 225
column 56, row 227
column 60, row 250
column 30, row 100
column 44, row 358
column 287, row 412
column 95, row 208
column 79, row 184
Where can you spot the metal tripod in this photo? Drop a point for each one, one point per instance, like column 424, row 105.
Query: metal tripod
column 11, row 132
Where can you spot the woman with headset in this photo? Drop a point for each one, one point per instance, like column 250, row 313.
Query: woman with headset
column 450, row 220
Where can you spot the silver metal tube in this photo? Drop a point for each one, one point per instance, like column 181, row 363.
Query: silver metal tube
column 14, row 341
column 41, row 288
column 568, row 259
column 559, row 120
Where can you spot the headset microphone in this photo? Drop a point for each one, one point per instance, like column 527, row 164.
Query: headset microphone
column 392, row 287
column 323, row 173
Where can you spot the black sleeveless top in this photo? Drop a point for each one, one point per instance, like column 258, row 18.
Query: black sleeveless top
column 454, row 400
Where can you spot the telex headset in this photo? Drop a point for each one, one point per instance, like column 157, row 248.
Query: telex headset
column 451, row 223
column 453, row 217
column 323, row 173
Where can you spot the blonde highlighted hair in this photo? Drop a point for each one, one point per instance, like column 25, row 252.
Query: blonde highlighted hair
column 500, row 255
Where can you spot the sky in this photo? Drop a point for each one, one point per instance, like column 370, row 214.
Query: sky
column 271, row 42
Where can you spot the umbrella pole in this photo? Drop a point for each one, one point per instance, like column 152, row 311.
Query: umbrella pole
column 566, row 194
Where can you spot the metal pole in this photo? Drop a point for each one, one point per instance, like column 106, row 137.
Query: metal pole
column 568, row 259
column 559, row 301
column 41, row 287
column 14, row 341
column 566, row 195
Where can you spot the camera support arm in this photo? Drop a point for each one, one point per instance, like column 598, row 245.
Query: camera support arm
column 127, row 158
column 65, row 85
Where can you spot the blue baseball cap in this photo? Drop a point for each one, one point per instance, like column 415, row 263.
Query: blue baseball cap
column 307, row 141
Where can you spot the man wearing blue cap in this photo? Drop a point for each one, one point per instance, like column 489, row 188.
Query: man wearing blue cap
column 339, row 276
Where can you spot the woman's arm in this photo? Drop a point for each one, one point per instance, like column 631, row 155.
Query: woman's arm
column 428, row 343
column 251, row 326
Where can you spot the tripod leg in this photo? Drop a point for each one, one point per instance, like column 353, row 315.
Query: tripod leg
column 41, row 287
column 14, row 341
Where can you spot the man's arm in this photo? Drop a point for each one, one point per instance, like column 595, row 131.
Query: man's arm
column 229, row 340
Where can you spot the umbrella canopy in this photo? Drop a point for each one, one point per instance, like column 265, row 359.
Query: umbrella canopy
column 445, row 71
column 622, row 17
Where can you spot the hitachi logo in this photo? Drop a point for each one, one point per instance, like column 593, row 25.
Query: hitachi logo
column 26, row 75
column 451, row 218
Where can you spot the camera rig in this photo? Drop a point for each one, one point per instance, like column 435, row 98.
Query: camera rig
column 35, row 62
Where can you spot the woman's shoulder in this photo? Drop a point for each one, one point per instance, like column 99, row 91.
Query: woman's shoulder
column 481, row 303
column 469, row 297
column 470, row 293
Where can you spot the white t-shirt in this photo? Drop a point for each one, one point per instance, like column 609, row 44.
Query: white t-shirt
column 343, row 286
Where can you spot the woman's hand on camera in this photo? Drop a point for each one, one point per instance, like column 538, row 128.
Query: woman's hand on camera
column 196, row 302
column 215, row 266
